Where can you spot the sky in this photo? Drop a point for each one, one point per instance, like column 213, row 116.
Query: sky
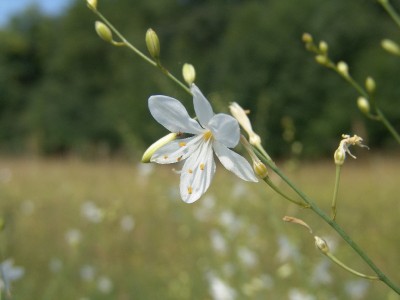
column 8, row 8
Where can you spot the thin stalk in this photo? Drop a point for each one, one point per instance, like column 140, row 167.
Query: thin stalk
column 141, row 54
column 347, row 268
column 387, row 124
column 335, row 191
column 390, row 10
column 314, row 207
column 268, row 181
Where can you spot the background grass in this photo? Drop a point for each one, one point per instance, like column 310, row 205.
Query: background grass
column 135, row 239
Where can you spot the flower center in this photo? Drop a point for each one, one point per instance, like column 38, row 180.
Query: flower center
column 207, row 135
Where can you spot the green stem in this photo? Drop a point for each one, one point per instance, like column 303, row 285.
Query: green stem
column 141, row 54
column 314, row 207
column 335, row 191
column 390, row 10
column 338, row 262
column 389, row 126
column 268, row 181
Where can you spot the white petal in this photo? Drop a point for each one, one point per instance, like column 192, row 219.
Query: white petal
column 225, row 129
column 177, row 150
column 197, row 173
column 171, row 114
column 202, row 107
column 234, row 162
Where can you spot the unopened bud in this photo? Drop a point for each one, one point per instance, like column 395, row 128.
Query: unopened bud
column 260, row 169
column 241, row 116
column 343, row 68
column 363, row 105
column 307, row 38
column 157, row 145
column 188, row 73
column 323, row 47
column 103, row 31
column 390, row 46
column 153, row 44
column 370, row 85
column 321, row 59
column 92, row 3
column 321, row 245
column 339, row 156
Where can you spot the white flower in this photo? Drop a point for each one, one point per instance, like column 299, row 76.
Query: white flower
column 212, row 133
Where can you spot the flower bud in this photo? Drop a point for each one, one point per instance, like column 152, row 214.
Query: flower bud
column 321, row 59
column 343, row 68
column 188, row 73
column 157, row 145
column 370, row 84
column 103, row 31
column 240, row 115
column 339, row 156
column 363, row 105
column 153, row 44
column 321, row 245
column 92, row 3
column 260, row 169
column 307, row 38
column 323, row 47
column 390, row 46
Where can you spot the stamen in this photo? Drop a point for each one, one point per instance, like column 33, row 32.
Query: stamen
column 190, row 190
column 190, row 171
column 179, row 158
column 202, row 167
column 207, row 135
column 182, row 144
column 165, row 156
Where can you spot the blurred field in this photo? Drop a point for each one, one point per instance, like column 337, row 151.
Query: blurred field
column 116, row 230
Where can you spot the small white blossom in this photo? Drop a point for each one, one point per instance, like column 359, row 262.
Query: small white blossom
column 345, row 143
column 211, row 133
column 9, row 273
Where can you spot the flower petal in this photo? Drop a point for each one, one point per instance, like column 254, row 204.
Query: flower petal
column 177, row 150
column 197, row 173
column 171, row 114
column 225, row 129
column 234, row 162
column 202, row 107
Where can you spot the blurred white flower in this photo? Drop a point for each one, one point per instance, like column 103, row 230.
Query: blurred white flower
column 73, row 237
column 127, row 223
column 9, row 273
column 144, row 170
column 257, row 284
column 320, row 274
column 92, row 212
column 357, row 289
column 239, row 190
column 218, row 241
column 104, row 284
column 285, row 270
column 287, row 250
column 204, row 211
column 296, row 294
column 247, row 257
column 219, row 289
column 87, row 273
column 55, row 265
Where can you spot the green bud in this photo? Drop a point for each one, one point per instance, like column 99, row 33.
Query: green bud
column 321, row 245
column 343, row 68
column 370, row 85
column 92, row 3
column 153, row 44
column 188, row 73
column 339, row 156
column 157, row 145
column 323, row 47
column 103, row 31
column 321, row 59
column 307, row 38
column 363, row 105
column 260, row 169
column 390, row 46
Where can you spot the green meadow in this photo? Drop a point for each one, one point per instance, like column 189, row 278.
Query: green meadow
column 118, row 230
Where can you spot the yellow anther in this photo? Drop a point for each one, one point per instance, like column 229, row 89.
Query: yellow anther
column 207, row 135
column 190, row 190
column 202, row 167
column 165, row 156
column 190, row 171
column 179, row 158
column 182, row 144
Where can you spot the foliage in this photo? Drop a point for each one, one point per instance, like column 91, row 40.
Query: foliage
column 62, row 89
